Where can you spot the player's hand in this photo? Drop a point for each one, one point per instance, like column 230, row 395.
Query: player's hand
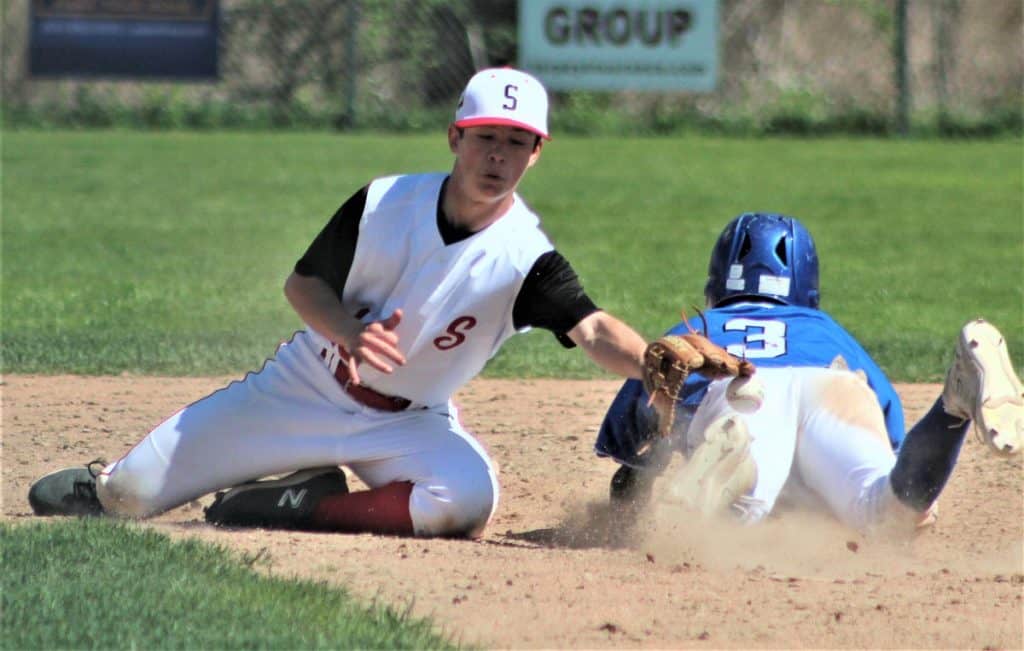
column 376, row 345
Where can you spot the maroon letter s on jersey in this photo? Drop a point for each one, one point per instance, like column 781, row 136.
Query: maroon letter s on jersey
column 455, row 332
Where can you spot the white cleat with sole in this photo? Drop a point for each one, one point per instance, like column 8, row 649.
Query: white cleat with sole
column 719, row 472
column 982, row 385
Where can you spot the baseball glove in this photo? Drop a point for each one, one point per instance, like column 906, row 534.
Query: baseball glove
column 669, row 360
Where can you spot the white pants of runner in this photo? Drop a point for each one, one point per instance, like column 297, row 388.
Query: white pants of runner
column 819, row 430
column 293, row 414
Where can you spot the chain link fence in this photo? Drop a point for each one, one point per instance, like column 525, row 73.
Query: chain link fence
column 786, row 65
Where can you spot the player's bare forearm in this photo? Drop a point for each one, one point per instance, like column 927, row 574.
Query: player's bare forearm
column 612, row 344
column 373, row 343
column 315, row 302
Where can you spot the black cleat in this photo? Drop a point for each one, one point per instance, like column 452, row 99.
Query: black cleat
column 630, row 486
column 285, row 503
column 71, row 491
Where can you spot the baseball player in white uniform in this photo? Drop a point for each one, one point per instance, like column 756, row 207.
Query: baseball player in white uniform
column 406, row 293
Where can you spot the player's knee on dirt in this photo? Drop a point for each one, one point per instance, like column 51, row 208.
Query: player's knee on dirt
column 456, row 507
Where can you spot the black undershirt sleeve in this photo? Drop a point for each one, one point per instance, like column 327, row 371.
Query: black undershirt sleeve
column 330, row 255
column 552, row 298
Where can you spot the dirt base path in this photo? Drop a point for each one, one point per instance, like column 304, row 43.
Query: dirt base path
column 551, row 572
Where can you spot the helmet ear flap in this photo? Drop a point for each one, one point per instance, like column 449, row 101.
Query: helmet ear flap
column 813, row 299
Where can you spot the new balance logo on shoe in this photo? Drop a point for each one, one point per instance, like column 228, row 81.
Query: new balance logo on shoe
column 292, row 498
column 285, row 503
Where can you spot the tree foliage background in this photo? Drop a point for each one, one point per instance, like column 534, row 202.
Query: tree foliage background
column 786, row 66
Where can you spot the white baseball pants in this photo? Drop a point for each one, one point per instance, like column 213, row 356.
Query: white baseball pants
column 819, row 430
column 292, row 414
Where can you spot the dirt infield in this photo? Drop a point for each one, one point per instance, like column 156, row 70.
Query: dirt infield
column 551, row 572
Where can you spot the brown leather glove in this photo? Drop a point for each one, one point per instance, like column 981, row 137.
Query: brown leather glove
column 669, row 360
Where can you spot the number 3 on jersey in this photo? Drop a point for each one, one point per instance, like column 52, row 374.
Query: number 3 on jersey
column 762, row 338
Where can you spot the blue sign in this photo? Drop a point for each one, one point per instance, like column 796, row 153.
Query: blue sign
column 620, row 44
column 164, row 39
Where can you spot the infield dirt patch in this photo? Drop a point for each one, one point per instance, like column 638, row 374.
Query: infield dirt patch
column 554, row 571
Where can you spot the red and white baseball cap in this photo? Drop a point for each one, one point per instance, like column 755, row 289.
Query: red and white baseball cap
column 504, row 96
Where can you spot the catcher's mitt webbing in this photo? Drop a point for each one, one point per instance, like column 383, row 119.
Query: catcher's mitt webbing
column 669, row 360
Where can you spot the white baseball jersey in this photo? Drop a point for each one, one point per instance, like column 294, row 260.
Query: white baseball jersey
column 456, row 299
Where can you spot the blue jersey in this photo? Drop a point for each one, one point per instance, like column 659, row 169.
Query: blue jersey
column 770, row 336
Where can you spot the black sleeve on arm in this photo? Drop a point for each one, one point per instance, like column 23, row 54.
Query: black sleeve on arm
column 552, row 298
column 330, row 255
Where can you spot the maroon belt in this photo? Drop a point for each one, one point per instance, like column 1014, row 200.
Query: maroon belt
column 367, row 396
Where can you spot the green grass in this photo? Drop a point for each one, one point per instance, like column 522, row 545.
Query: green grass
column 90, row 584
column 166, row 253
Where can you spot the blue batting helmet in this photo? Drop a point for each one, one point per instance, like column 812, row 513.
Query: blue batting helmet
column 764, row 256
